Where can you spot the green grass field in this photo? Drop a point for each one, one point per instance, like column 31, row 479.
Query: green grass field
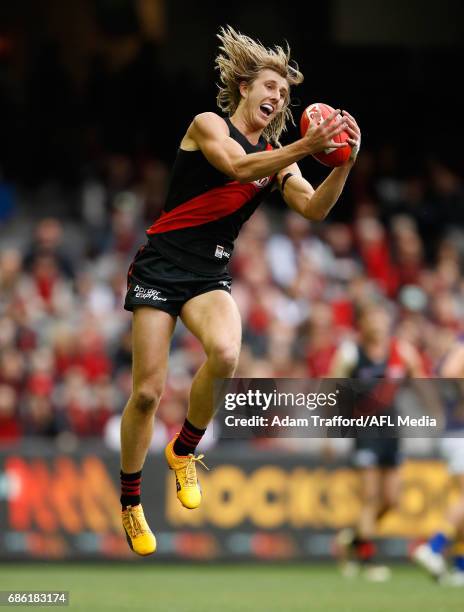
column 227, row 588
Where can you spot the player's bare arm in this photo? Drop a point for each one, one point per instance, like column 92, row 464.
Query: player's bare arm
column 299, row 194
column 412, row 359
column 452, row 366
column 312, row 204
column 209, row 133
column 343, row 360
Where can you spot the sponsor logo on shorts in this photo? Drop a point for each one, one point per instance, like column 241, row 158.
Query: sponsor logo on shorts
column 226, row 284
column 148, row 294
column 220, row 252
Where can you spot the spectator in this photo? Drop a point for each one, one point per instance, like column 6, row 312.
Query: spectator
column 48, row 242
column 10, row 427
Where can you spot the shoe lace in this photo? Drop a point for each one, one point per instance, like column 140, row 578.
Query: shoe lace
column 134, row 522
column 190, row 470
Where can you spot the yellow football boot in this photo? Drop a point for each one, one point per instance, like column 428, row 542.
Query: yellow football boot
column 138, row 534
column 188, row 489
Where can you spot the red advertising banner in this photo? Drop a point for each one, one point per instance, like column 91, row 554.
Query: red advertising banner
column 255, row 505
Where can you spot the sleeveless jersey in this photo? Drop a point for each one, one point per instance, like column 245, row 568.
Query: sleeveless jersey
column 379, row 395
column 205, row 210
column 392, row 366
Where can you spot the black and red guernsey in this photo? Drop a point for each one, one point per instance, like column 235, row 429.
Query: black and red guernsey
column 205, row 210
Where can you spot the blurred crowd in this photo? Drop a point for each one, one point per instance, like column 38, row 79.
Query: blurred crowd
column 65, row 348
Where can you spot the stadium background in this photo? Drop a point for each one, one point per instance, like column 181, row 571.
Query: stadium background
column 94, row 97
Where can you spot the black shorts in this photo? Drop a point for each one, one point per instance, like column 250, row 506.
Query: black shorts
column 154, row 281
column 377, row 452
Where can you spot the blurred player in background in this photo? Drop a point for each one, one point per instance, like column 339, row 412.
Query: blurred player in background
column 450, row 538
column 224, row 169
column 376, row 355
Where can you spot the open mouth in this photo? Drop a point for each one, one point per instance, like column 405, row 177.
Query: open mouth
column 266, row 109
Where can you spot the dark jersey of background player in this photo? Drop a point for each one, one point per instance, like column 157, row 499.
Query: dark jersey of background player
column 378, row 445
column 378, row 361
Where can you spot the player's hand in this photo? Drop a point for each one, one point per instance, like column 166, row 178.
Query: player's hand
column 319, row 135
column 354, row 132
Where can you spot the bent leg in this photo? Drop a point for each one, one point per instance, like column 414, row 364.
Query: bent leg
column 215, row 320
column 151, row 334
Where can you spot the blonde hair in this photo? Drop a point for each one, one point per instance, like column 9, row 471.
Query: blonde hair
column 241, row 59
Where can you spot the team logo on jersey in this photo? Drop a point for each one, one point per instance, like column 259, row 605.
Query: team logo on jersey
column 260, row 183
column 221, row 252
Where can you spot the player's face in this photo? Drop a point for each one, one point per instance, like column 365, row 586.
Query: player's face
column 375, row 325
column 265, row 97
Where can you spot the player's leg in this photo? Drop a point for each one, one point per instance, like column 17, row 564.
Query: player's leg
column 371, row 480
column 214, row 319
column 378, row 495
column 151, row 334
column 451, row 535
column 381, row 496
column 389, row 491
column 371, row 487
column 455, row 517
column 353, row 545
column 431, row 555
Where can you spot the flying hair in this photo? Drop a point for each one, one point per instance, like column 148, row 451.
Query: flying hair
column 241, row 58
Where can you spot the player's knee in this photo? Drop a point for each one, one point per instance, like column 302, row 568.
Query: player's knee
column 224, row 359
column 146, row 399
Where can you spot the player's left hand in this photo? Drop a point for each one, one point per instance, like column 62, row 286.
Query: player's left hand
column 355, row 135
